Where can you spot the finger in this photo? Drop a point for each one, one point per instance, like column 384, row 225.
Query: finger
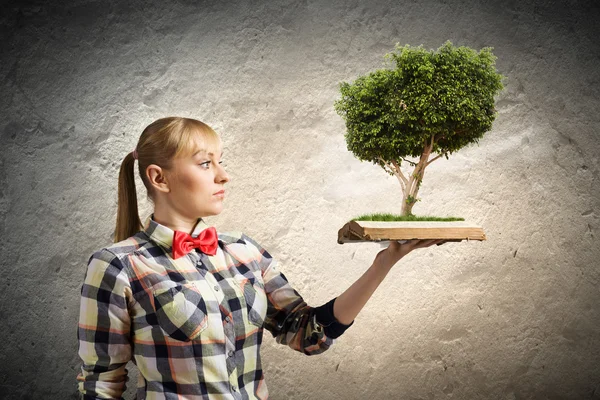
column 437, row 242
column 414, row 243
column 427, row 243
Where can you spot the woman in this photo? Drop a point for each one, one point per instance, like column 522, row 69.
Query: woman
column 188, row 304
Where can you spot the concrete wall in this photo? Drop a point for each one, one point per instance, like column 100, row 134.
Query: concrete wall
column 513, row 317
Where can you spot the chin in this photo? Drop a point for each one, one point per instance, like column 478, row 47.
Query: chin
column 213, row 212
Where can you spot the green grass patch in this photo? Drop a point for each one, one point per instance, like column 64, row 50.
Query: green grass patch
column 397, row 217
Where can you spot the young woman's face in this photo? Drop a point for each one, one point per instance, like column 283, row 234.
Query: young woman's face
column 194, row 183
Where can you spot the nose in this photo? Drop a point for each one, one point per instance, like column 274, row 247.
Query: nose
column 222, row 176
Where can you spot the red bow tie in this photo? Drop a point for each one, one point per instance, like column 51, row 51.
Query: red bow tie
column 206, row 241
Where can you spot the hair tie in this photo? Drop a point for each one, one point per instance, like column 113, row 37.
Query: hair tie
column 135, row 155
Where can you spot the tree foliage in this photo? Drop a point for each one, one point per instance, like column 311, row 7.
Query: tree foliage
column 445, row 95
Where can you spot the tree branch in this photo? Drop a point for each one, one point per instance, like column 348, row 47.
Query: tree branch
column 419, row 170
column 400, row 174
column 402, row 184
column 408, row 161
column 397, row 172
column 391, row 168
column 433, row 159
column 386, row 163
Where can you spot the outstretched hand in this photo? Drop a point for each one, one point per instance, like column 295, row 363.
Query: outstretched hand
column 395, row 251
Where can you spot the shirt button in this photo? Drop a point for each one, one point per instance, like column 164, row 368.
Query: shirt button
column 216, row 288
column 231, row 353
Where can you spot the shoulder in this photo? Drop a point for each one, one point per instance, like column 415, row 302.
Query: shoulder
column 105, row 270
column 231, row 237
column 238, row 241
column 237, row 237
column 123, row 248
column 116, row 254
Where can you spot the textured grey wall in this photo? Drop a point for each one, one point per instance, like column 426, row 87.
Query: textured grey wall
column 513, row 317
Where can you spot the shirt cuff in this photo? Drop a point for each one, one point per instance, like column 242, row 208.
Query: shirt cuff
column 332, row 327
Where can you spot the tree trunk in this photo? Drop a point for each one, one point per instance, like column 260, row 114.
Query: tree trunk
column 406, row 205
column 410, row 187
column 409, row 195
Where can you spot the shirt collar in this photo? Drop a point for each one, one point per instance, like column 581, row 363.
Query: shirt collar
column 163, row 235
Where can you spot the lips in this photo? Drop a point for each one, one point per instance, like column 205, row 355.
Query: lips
column 220, row 192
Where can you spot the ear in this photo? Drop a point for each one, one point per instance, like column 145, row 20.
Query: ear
column 158, row 178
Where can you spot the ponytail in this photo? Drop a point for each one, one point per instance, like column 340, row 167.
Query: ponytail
column 128, row 219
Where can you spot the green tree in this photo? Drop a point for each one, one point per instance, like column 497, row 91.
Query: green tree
column 431, row 102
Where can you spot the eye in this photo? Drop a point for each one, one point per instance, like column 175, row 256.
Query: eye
column 208, row 162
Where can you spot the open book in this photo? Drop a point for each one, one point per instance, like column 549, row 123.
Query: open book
column 377, row 231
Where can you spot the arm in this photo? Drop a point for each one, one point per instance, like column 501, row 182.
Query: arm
column 349, row 303
column 290, row 320
column 103, row 330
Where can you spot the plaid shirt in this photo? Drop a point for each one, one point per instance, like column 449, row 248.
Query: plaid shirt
column 194, row 324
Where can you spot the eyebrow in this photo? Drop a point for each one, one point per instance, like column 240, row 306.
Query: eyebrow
column 204, row 151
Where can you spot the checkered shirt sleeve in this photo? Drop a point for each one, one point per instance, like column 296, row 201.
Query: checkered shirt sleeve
column 104, row 328
column 291, row 321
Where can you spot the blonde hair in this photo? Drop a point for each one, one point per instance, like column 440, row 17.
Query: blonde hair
column 160, row 143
